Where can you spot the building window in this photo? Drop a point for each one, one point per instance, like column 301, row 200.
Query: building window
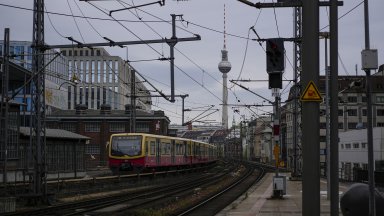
column 364, row 112
column 64, row 53
column 352, row 125
column 98, row 71
column 69, row 96
column 105, row 71
column 116, row 70
column 356, row 145
column 104, row 96
column 92, row 97
column 342, row 146
column 352, row 112
column 380, row 112
column 86, row 96
column 117, row 127
column 340, row 112
column 98, row 52
column 380, row 99
column 347, row 145
column 364, row 166
column 363, row 145
column 86, row 72
column 81, row 71
column 341, row 125
column 110, row 71
column 363, row 99
column 352, row 99
column 93, row 71
column 323, row 125
column 322, row 139
column 98, row 98
column 81, row 95
column 380, row 124
column 69, row 126
column 92, row 127
column 142, row 127
column 92, row 149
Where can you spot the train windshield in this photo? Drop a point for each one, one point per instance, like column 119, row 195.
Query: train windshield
column 126, row 146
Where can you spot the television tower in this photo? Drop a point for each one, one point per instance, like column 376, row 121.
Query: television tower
column 224, row 67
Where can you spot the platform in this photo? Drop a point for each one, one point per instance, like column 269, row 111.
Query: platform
column 257, row 201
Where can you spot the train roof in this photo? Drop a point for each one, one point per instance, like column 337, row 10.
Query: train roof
column 160, row 136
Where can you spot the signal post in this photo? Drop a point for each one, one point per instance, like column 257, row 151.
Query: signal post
column 275, row 56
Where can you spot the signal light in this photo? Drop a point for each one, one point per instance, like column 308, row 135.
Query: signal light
column 275, row 55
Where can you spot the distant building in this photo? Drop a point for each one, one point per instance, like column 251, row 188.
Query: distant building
column 262, row 139
column 353, row 151
column 98, row 78
column 352, row 112
column 56, row 74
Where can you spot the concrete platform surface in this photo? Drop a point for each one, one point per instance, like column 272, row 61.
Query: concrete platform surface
column 258, row 201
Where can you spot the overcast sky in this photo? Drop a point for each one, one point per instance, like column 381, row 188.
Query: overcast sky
column 196, row 73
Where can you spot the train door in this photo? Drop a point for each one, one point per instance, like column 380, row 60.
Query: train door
column 185, row 151
column 173, row 150
column 158, row 152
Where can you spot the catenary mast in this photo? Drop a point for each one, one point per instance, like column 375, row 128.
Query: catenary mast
column 224, row 67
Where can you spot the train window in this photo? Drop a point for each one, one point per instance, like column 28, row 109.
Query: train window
column 126, row 146
column 177, row 149
column 168, row 148
column 153, row 148
column 163, row 148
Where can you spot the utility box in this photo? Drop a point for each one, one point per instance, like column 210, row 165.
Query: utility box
column 369, row 59
column 279, row 186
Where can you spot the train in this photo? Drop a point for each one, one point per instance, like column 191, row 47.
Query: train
column 141, row 151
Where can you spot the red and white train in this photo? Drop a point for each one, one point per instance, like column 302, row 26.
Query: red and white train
column 128, row 151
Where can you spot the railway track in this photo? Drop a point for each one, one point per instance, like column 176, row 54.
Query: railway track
column 214, row 203
column 121, row 201
column 186, row 199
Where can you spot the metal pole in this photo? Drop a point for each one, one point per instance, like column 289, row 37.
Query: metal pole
column 334, row 121
column 276, row 133
column 172, row 46
column 182, row 108
column 310, row 110
column 38, row 141
column 297, row 65
column 327, row 115
column 133, row 101
column 371, row 173
column 5, row 104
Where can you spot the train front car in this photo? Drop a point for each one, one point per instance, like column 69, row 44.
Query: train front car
column 126, row 152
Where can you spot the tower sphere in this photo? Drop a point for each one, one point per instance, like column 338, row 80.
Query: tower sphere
column 224, row 66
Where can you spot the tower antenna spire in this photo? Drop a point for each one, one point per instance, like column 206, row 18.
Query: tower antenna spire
column 225, row 46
